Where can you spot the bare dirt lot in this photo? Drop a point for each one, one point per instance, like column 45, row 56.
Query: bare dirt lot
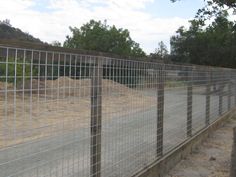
column 212, row 158
column 46, row 108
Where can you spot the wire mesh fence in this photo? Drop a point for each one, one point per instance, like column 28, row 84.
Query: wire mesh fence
column 65, row 114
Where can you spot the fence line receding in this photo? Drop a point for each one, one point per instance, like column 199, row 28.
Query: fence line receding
column 68, row 114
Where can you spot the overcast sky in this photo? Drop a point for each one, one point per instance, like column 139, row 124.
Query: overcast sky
column 149, row 21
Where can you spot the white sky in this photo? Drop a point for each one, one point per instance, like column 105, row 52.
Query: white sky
column 149, row 21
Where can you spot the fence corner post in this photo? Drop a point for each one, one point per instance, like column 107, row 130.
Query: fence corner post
column 96, row 117
column 160, row 110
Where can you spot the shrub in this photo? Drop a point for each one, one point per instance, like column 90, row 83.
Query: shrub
column 15, row 70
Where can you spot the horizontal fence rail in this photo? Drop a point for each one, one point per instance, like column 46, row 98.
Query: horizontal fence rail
column 65, row 114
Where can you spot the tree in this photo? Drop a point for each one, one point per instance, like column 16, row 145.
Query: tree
column 214, row 8
column 98, row 36
column 229, row 3
column 161, row 52
column 5, row 22
column 56, row 44
column 212, row 45
column 7, row 31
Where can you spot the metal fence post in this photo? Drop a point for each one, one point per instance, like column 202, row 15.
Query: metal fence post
column 189, row 102
column 208, row 90
column 96, row 118
column 160, row 110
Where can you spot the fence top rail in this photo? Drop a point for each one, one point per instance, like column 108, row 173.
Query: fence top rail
column 48, row 48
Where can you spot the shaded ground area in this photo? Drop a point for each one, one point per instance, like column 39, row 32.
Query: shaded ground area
column 212, row 158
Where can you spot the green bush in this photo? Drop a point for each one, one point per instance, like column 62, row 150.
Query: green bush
column 12, row 69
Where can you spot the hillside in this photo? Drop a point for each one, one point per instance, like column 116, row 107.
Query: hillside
column 9, row 32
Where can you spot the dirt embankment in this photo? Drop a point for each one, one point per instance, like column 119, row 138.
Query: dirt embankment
column 66, row 86
column 212, row 158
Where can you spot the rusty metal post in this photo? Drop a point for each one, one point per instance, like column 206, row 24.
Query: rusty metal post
column 96, row 118
column 208, row 90
column 160, row 110
column 189, row 102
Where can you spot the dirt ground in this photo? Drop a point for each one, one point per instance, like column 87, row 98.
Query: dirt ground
column 63, row 107
column 212, row 158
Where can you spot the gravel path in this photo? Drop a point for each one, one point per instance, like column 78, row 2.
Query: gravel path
column 212, row 158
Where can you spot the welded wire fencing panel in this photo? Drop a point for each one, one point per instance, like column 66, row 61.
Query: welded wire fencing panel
column 65, row 114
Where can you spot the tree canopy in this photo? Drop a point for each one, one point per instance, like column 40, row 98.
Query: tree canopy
column 221, row 3
column 56, row 43
column 212, row 45
column 7, row 31
column 214, row 8
column 161, row 52
column 99, row 36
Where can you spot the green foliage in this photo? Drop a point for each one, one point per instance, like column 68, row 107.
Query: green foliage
column 18, row 69
column 212, row 45
column 161, row 52
column 229, row 3
column 99, row 36
column 56, row 44
column 214, row 8
column 9, row 32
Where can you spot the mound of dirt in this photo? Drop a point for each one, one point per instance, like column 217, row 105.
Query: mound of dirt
column 65, row 107
column 3, row 86
column 70, row 87
column 3, row 89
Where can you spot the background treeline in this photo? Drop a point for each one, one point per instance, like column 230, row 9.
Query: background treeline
column 210, row 40
column 26, row 65
column 7, row 31
column 213, row 45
